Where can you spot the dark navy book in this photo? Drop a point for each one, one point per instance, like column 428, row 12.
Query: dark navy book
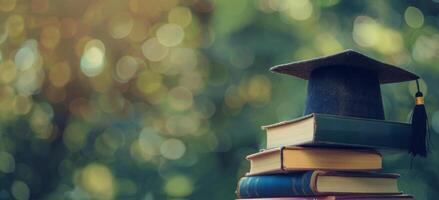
column 310, row 183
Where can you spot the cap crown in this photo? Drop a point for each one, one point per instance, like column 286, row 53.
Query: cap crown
column 347, row 83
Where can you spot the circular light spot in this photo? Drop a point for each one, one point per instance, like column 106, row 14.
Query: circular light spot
column 40, row 120
column 172, row 149
column 93, row 58
column 366, row 31
column 153, row 50
column 180, row 98
column 299, row 9
column 181, row 60
column 7, row 162
column 139, row 31
column 414, row 17
column 8, row 71
column 7, row 5
column 179, row 186
column 59, row 75
column 149, row 82
column 97, row 180
column 126, row 68
column 170, row 35
column 50, row 36
column 25, row 58
column 75, row 136
column 121, row 25
column 15, row 25
column 180, row 15
column 149, row 143
column 20, row 190
column 22, row 105
column 29, row 81
column 68, row 28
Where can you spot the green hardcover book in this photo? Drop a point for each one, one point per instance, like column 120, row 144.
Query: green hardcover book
column 331, row 130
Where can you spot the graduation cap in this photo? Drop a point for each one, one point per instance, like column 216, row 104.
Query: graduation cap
column 348, row 84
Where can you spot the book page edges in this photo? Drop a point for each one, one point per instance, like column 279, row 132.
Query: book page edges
column 265, row 127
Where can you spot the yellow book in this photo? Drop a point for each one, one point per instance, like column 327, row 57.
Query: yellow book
column 288, row 159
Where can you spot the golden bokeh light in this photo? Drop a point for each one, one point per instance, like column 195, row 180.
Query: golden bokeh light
column 151, row 85
column 7, row 5
column 69, row 27
column 170, row 34
column 50, row 36
column 98, row 181
column 180, row 98
column 153, row 50
column 139, row 32
column 60, row 74
column 8, row 71
column 232, row 98
column 15, row 25
column 180, row 15
column 425, row 48
column 297, row 10
column 40, row 121
column 147, row 146
column 93, row 58
column 22, row 105
column 366, row 31
column 258, row 90
column 172, row 149
column 414, row 17
column 179, row 60
column 120, row 25
column 369, row 33
column 126, row 68
column 179, row 186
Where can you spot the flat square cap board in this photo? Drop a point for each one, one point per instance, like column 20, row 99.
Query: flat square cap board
column 349, row 58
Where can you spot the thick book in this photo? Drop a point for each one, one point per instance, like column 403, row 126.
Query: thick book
column 287, row 159
column 343, row 197
column 311, row 183
column 333, row 130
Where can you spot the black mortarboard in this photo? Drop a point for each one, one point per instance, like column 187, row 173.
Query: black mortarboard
column 348, row 84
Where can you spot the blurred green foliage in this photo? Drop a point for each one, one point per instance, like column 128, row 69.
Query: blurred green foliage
column 144, row 99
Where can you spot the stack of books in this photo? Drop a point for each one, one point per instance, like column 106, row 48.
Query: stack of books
column 326, row 157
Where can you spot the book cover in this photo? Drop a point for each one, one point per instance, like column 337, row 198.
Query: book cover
column 312, row 183
column 340, row 131
column 342, row 197
column 288, row 159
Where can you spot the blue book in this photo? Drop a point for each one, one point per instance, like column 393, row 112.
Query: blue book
column 312, row 183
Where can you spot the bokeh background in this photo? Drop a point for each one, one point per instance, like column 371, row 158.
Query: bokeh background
column 147, row 99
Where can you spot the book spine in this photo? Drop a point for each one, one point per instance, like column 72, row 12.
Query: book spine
column 289, row 185
column 361, row 132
